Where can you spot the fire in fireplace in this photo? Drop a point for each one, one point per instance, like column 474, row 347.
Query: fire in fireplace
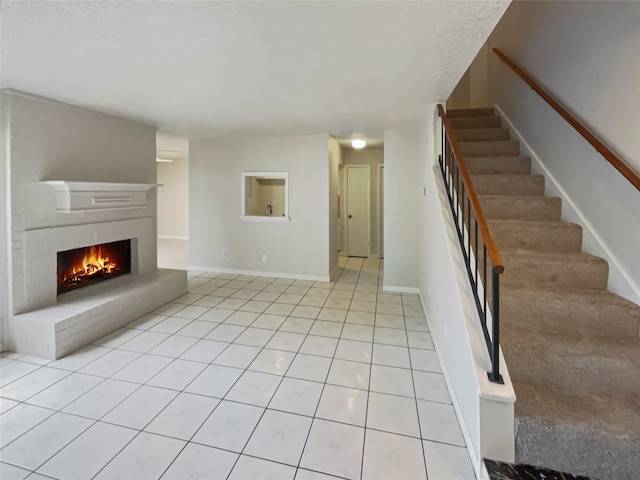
column 86, row 266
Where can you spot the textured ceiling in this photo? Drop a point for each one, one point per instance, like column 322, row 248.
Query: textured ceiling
column 210, row 69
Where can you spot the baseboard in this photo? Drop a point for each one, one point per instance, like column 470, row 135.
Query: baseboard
column 616, row 269
column 476, row 460
column 342, row 254
column 395, row 289
column 293, row 276
column 172, row 237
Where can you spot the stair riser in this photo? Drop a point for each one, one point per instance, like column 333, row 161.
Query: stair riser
column 482, row 134
column 470, row 112
column 478, row 122
column 588, row 374
column 498, row 165
column 524, row 185
column 489, row 149
column 608, row 321
column 534, row 273
column 554, row 237
column 570, row 449
column 515, row 208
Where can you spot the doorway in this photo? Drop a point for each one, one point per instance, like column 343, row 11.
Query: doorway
column 358, row 204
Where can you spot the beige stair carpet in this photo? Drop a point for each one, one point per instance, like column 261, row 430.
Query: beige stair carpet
column 571, row 346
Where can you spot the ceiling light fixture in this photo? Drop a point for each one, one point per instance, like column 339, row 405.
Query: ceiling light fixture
column 358, row 141
column 164, row 160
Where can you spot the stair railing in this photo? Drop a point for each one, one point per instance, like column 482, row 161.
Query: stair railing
column 478, row 248
column 595, row 142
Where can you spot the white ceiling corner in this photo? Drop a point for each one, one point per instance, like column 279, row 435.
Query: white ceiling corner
column 212, row 69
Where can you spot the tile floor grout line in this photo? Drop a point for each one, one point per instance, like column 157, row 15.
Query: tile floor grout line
column 424, row 457
column 117, row 453
column 366, row 415
column 304, row 446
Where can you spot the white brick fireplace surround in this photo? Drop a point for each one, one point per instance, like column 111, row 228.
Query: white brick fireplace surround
column 49, row 326
column 76, row 178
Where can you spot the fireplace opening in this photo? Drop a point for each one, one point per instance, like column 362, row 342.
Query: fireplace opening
column 86, row 266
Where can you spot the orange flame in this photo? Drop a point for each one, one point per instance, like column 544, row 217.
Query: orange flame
column 94, row 260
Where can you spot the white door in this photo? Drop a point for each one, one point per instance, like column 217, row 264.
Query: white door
column 358, row 213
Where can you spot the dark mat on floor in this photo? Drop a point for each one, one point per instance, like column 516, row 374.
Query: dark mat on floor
column 509, row 471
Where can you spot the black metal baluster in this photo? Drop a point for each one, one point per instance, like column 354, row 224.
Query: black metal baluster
column 469, row 236
column 461, row 227
column 476, row 251
column 495, row 376
column 484, row 284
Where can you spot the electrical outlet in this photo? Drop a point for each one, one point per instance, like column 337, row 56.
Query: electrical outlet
column 225, row 253
column 264, row 257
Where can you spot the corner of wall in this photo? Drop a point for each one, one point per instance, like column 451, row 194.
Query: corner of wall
column 5, row 206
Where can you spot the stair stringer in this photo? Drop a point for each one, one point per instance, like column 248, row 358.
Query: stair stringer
column 620, row 281
column 485, row 410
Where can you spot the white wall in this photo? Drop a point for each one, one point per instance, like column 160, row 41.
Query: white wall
column 50, row 140
column 403, row 194
column 297, row 248
column 173, row 199
column 586, row 55
column 472, row 90
column 373, row 157
column 335, row 160
column 5, row 267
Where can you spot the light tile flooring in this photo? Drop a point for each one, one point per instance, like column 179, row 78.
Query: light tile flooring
column 243, row 378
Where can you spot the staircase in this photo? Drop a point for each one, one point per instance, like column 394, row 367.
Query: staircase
column 572, row 347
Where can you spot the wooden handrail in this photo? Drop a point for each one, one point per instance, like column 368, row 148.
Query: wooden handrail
column 492, row 249
column 600, row 147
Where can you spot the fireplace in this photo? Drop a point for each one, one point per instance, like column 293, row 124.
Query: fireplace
column 81, row 267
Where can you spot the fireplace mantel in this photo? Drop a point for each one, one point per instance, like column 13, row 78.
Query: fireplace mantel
column 83, row 196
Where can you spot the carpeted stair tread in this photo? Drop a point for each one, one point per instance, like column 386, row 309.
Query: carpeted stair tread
column 594, row 435
column 536, row 236
column 521, row 185
column 518, row 207
column 583, row 364
column 470, row 112
column 551, row 271
column 475, row 122
column 501, row 148
column 511, row 165
column 596, row 313
column 481, row 134
column 605, row 413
